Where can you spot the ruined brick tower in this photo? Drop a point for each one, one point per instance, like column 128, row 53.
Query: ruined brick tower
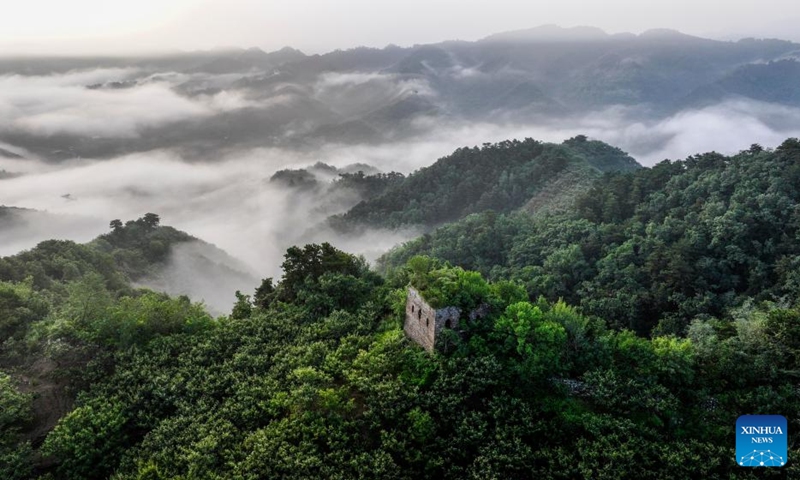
column 424, row 323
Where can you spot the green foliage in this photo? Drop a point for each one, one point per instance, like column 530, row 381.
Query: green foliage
column 58, row 261
column 243, row 308
column 138, row 320
column 127, row 253
column 498, row 177
column 326, row 385
column 66, row 311
column 300, row 179
column 649, row 250
column 692, row 264
column 311, row 262
column 141, row 245
column 15, row 415
column 91, row 315
column 20, row 306
column 88, row 440
column 264, row 294
column 335, row 291
column 602, row 156
column 368, row 186
column 534, row 342
column 15, row 408
column 444, row 286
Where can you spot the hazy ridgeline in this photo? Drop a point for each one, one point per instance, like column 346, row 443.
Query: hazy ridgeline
column 196, row 136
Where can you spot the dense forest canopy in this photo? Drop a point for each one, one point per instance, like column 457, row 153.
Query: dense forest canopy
column 655, row 248
column 626, row 331
column 498, row 177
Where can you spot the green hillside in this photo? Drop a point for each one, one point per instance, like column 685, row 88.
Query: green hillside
column 651, row 249
column 499, row 177
column 315, row 379
column 625, row 332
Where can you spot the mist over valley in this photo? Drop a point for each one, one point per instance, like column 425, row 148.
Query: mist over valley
column 517, row 253
column 196, row 136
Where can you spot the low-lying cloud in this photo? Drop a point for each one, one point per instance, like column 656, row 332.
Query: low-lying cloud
column 727, row 127
column 229, row 202
column 358, row 93
column 63, row 104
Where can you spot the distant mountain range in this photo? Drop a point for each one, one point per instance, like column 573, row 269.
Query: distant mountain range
column 287, row 98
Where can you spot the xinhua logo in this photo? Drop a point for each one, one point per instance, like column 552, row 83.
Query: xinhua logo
column 761, row 441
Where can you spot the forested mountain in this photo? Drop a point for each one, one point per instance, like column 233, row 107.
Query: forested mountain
column 168, row 260
column 138, row 251
column 315, row 379
column 650, row 250
column 363, row 181
column 61, row 305
column 767, row 82
column 628, row 324
column 499, row 177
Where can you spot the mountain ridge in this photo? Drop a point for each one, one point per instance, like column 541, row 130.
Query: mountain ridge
column 499, row 177
column 370, row 95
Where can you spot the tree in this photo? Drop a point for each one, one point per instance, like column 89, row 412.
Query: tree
column 265, row 293
column 116, row 225
column 15, row 413
column 313, row 261
column 89, row 440
column 535, row 343
column 243, row 308
column 151, row 220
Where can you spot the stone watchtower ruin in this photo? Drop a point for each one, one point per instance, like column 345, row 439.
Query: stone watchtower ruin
column 424, row 324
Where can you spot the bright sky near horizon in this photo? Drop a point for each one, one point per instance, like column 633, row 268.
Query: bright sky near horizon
column 109, row 26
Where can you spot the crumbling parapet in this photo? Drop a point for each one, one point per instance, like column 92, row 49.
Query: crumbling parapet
column 424, row 324
column 420, row 320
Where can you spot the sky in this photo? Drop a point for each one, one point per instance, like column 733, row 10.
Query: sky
column 317, row 26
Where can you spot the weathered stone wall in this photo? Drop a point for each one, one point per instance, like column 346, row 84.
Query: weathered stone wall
column 423, row 323
column 447, row 317
column 420, row 324
column 480, row 312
